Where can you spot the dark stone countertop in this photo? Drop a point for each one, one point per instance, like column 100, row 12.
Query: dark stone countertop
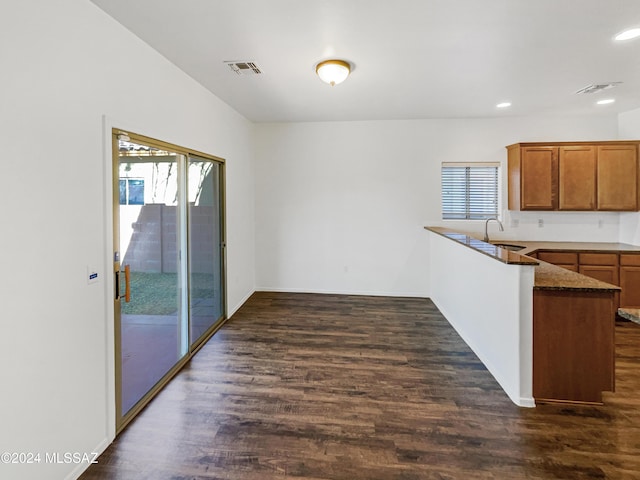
column 632, row 314
column 547, row 276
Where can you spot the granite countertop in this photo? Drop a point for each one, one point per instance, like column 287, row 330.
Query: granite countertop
column 632, row 314
column 500, row 254
column 552, row 277
column 546, row 275
column 532, row 246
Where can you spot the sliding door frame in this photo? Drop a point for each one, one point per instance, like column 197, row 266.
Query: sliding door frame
column 121, row 421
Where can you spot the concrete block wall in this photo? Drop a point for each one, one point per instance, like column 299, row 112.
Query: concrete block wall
column 153, row 243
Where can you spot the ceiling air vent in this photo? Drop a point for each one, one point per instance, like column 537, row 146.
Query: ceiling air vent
column 244, row 68
column 597, row 87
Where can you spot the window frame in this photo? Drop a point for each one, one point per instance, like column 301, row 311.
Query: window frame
column 127, row 190
column 469, row 214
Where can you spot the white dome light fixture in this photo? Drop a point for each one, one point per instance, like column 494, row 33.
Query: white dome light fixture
column 333, row 72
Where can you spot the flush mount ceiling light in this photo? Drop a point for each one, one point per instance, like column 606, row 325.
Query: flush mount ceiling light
column 333, row 72
column 628, row 34
column 503, row 105
column 606, row 101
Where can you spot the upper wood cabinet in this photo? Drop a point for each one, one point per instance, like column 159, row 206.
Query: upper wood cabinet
column 573, row 176
column 533, row 178
column 617, row 177
column 577, row 178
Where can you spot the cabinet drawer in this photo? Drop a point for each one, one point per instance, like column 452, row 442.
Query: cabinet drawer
column 629, row 259
column 558, row 257
column 598, row 259
column 572, row 266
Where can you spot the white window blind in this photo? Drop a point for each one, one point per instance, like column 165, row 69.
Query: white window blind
column 469, row 191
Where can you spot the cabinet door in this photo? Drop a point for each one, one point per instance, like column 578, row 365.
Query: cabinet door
column 617, row 177
column 604, row 273
column 539, row 178
column 577, row 177
column 630, row 284
column 573, row 345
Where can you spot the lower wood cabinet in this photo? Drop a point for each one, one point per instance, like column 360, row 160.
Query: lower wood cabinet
column 573, row 345
column 622, row 270
column 573, row 331
column 630, row 280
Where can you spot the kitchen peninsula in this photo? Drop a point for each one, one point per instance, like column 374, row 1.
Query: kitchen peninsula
column 544, row 332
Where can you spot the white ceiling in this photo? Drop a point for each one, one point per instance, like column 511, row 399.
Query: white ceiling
column 413, row 58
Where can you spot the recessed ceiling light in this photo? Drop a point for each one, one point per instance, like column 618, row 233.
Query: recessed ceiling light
column 628, row 34
column 606, row 101
column 503, row 105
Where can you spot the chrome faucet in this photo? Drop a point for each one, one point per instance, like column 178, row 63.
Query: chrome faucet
column 486, row 226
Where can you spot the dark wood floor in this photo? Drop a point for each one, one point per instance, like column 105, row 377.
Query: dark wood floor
column 345, row 388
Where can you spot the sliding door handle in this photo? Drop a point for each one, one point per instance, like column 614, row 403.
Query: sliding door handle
column 127, row 283
column 117, row 283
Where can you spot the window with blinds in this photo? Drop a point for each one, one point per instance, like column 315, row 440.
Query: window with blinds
column 469, row 191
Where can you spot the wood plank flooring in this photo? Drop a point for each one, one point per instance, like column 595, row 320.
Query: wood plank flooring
column 316, row 387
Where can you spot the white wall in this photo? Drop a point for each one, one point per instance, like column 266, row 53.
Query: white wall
column 629, row 125
column 340, row 206
column 629, row 129
column 64, row 65
column 490, row 304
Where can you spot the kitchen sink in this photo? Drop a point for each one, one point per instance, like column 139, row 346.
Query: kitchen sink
column 508, row 246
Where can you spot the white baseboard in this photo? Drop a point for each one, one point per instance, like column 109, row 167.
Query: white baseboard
column 343, row 292
column 81, row 467
column 232, row 311
column 520, row 401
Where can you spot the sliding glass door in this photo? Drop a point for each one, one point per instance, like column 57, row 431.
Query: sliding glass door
column 205, row 246
column 168, row 263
